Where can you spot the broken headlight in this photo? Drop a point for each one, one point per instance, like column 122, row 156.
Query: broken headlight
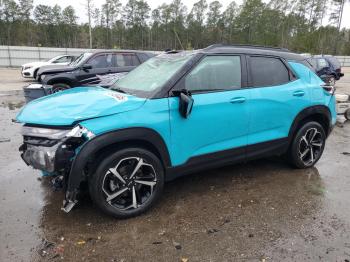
column 49, row 133
column 50, row 149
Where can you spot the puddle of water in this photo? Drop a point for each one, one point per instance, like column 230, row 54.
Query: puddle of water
column 12, row 105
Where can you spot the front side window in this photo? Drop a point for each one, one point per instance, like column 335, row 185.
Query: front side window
column 153, row 74
column 215, row 73
column 101, row 61
column 268, row 71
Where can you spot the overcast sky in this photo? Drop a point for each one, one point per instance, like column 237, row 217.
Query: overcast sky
column 79, row 6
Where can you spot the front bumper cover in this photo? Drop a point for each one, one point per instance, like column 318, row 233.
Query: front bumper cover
column 53, row 152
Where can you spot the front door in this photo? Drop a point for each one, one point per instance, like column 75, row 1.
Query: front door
column 101, row 64
column 219, row 118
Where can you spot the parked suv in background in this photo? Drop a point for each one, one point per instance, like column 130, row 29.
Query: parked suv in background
column 328, row 67
column 30, row 70
column 175, row 114
column 89, row 66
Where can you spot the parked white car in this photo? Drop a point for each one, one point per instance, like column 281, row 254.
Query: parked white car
column 29, row 70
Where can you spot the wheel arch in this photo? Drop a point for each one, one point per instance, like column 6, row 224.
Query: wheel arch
column 106, row 143
column 35, row 72
column 318, row 113
column 63, row 80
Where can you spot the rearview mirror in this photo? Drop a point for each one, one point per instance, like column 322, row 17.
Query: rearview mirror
column 186, row 102
column 86, row 67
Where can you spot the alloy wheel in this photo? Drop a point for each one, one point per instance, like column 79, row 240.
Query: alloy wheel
column 310, row 146
column 130, row 184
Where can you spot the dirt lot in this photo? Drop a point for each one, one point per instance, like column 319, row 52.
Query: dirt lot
column 260, row 211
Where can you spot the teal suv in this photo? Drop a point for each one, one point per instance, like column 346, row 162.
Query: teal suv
column 177, row 113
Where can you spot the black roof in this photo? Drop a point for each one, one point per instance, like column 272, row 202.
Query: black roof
column 119, row 51
column 252, row 49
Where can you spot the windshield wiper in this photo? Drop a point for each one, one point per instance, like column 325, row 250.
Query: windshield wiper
column 119, row 90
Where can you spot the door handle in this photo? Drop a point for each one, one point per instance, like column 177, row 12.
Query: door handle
column 299, row 93
column 237, row 100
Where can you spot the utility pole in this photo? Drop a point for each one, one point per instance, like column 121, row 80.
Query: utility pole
column 339, row 25
column 89, row 13
column 341, row 14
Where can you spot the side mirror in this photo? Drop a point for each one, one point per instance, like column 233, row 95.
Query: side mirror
column 86, row 67
column 186, row 102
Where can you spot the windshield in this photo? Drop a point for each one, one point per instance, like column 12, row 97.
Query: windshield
column 53, row 59
column 80, row 59
column 152, row 74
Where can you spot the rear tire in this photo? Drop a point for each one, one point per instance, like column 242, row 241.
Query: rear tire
column 60, row 87
column 127, row 183
column 307, row 145
column 347, row 114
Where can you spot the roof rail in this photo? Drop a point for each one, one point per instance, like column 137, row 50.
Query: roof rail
column 247, row 46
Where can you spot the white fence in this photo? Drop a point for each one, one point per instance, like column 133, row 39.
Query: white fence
column 344, row 60
column 15, row 56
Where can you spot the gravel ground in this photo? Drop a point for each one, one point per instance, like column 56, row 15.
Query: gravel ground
column 260, row 211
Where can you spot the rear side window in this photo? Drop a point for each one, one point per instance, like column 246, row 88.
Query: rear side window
column 126, row 60
column 268, row 71
column 215, row 73
column 144, row 57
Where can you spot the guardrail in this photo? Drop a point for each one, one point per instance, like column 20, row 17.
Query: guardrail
column 15, row 56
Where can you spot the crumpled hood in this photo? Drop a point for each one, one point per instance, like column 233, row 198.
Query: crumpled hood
column 58, row 70
column 77, row 104
column 51, row 67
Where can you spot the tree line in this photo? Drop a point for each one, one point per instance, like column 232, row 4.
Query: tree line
column 311, row 26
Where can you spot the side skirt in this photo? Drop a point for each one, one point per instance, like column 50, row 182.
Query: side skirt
column 228, row 157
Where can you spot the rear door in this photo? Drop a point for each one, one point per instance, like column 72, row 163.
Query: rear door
column 277, row 96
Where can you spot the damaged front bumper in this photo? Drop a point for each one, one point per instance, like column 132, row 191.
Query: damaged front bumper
column 52, row 151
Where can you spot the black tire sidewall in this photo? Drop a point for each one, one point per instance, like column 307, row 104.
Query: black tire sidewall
column 347, row 114
column 95, row 183
column 294, row 149
column 56, row 87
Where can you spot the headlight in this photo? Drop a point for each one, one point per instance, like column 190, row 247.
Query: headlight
column 27, row 67
column 44, row 132
column 56, row 134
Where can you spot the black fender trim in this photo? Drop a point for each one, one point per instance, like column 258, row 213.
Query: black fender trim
column 54, row 79
column 76, row 175
column 307, row 112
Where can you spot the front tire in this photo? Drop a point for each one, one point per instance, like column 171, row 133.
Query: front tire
column 127, row 183
column 59, row 87
column 307, row 145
